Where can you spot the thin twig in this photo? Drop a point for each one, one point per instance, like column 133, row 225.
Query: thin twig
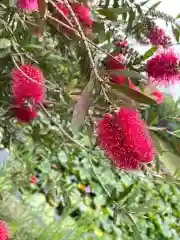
column 84, row 39
column 61, row 13
column 79, row 36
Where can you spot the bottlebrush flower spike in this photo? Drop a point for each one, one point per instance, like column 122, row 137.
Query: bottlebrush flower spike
column 26, row 93
column 112, row 64
column 28, row 5
column 163, row 69
column 125, row 139
column 24, row 114
column 4, row 234
column 83, row 13
column 157, row 37
column 24, row 88
column 63, row 9
column 122, row 44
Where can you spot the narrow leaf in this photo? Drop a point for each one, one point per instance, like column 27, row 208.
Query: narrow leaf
column 133, row 196
column 4, row 43
column 157, row 143
column 112, row 13
column 176, row 33
column 149, row 52
column 143, row 208
column 154, row 6
column 82, row 106
column 130, row 221
column 133, row 94
column 126, row 73
column 156, row 129
column 157, row 164
column 125, row 193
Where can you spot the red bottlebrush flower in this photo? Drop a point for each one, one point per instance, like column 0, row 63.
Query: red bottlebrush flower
column 27, row 94
column 23, row 88
column 122, row 44
column 159, row 96
column 124, row 138
column 158, row 37
column 163, row 68
column 112, row 64
column 4, row 234
column 83, row 13
column 27, row 5
column 63, row 9
column 24, row 114
column 33, row 180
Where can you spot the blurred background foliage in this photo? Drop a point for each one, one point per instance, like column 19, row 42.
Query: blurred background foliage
column 78, row 194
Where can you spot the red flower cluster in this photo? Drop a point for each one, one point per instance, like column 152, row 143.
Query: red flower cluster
column 27, row 93
column 83, row 14
column 117, row 63
column 122, row 44
column 124, row 138
column 159, row 96
column 33, row 180
column 4, row 234
column 163, row 68
column 157, row 37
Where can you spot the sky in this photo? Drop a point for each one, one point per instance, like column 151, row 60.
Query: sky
column 171, row 7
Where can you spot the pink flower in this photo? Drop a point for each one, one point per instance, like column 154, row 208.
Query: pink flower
column 158, row 37
column 26, row 93
column 83, row 13
column 33, row 180
column 4, row 234
column 163, row 68
column 159, row 96
column 28, row 5
column 125, row 139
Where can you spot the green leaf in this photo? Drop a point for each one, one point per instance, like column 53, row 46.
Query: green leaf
column 4, row 43
column 133, row 94
column 130, row 221
column 112, row 13
column 133, row 195
column 157, row 129
column 132, row 15
column 149, row 52
column 125, row 193
column 126, row 73
column 4, row 53
column 82, row 106
column 33, row 46
column 157, row 164
column 154, row 6
column 170, row 159
column 157, row 142
column 143, row 208
column 176, row 33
